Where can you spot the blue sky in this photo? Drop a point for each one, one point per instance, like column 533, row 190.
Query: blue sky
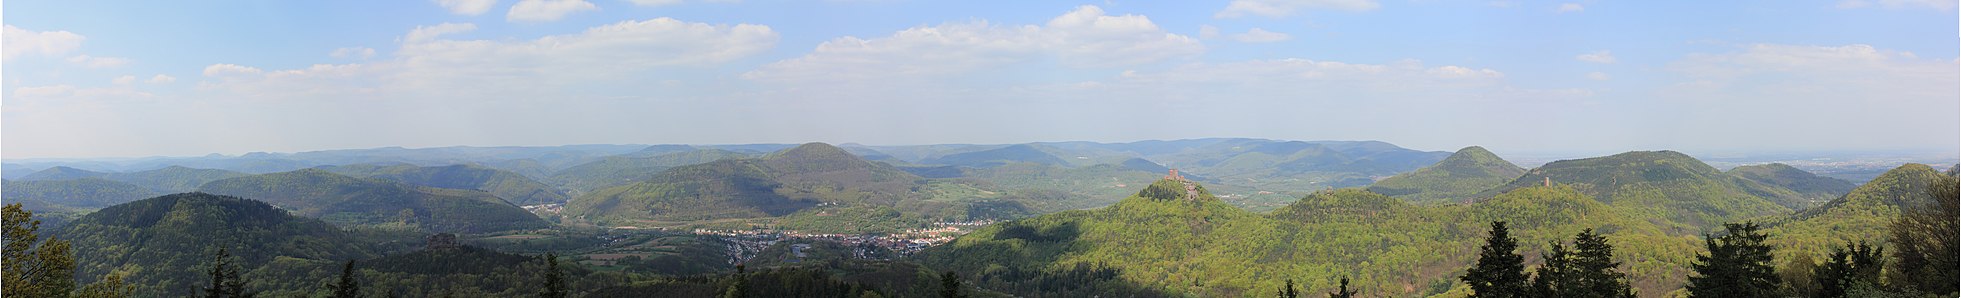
column 99, row 79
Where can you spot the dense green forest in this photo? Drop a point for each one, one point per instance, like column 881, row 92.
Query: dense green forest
column 356, row 201
column 1652, row 224
column 1456, row 178
column 508, row 185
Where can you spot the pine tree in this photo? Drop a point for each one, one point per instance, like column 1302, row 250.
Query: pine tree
column 1343, row 291
column 1593, row 263
column 1499, row 272
column 1927, row 241
column 554, row 280
column 1287, row 291
column 1557, row 277
column 1849, row 267
column 33, row 268
column 347, row 287
column 225, row 279
column 950, row 285
column 1738, row 264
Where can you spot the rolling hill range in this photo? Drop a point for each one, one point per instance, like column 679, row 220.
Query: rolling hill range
column 356, row 201
column 165, row 243
column 1206, row 248
column 74, row 195
column 508, row 185
column 622, row 169
column 1813, row 188
column 1020, row 153
column 1667, row 187
column 1457, row 178
column 1861, row 215
column 773, row 185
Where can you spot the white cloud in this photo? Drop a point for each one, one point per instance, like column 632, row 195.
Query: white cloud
column 424, row 33
column 1944, row 5
column 17, row 42
column 467, row 7
column 1570, row 7
column 1208, row 32
column 1603, row 57
column 1599, row 76
column 70, row 93
column 1083, row 38
column 426, row 62
column 1888, row 89
column 354, row 52
column 124, row 80
column 217, row 70
column 1257, row 35
column 162, row 79
column 651, row 3
column 546, row 10
column 1282, row 8
column 97, row 62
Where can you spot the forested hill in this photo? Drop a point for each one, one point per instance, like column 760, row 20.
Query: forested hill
column 1157, row 244
column 1457, row 178
column 1864, row 214
column 355, row 201
column 508, row 185
column 165, row 243
column 628, row 168
column 1814, row 188
column 774, row 185
column 1668, row 186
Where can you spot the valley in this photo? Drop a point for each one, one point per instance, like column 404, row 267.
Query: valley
column 1009, row 219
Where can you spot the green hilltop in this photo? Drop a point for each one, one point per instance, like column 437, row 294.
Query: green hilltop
column 1813, row 188
column 774, row 185
column 61, row 173
column 1457, row 178
column 357, row 201
column 1667, row 187
column 1862, row 215
column 628, row 168
column 508, row 185
column 1152, row 244
column 72, row 195
column 165, row 243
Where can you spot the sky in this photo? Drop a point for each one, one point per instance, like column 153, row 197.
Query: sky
column 85, row 78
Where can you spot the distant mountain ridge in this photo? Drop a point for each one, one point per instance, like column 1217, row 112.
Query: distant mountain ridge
column 1458, row 177
column 510, row 186
column 347, row 200
column 1666, row 183
column 1811, row 186
column 773, row 185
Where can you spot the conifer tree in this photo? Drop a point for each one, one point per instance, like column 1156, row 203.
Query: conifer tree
column 1499, row 272
column 1343, row 291
column 1593, row 263
column 950, row 285
column 1556, row 277
column 1738, row 264
column 225, row 279
column 1848, row 267
column 554, row 280
column 1287, row 291
column 347, row 287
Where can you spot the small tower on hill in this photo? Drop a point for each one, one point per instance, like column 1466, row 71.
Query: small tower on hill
column 1548, row 181
column 1174, row 176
